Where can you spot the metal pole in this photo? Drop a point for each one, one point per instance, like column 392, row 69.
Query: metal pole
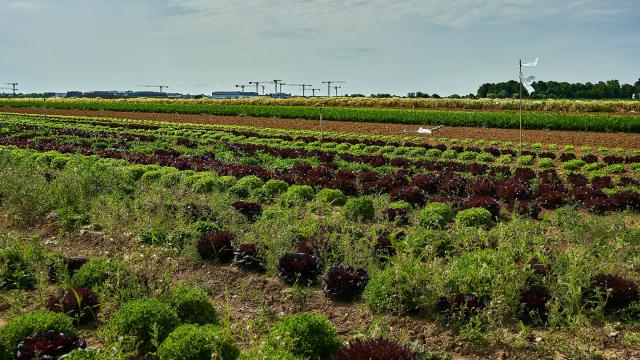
column 520, row 102
column 329, row 89
column 321, row 129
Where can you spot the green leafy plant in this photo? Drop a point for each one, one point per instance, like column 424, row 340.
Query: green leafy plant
column 133, row 323
column 308, row 335
column 198, row 343
column 436, row 215
column 475, row 217
column 192, row 305
column 32, row 323
column 358, row 208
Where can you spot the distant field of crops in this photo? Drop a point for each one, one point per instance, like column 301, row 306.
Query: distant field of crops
column 604, row 122
column 592, row 106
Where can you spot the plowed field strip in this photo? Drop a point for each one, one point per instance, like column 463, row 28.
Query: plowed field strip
column 624, row 140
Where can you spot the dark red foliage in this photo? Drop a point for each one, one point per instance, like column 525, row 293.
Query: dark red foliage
column 627, row 181
column 513, row 189
column 346, row 185
column 452, row 184
column 49, row 345
column 577, row 180
column 617, row 291
column 82, row 304
column 590, row 159
column 392, row 181
column 411, row 194
column 552, row 185
column 493, row 151
column 183, row 141
column 399, row 162
column 248, row 258
column 482, row 186
column 426, row 182
column 601, row 182
column 477, row 168
column 369, row 177
column 613, row 159
column 251, row 210
column 377, row 349
column 584, row 193
column 567, row 156
column 344, row 283
column 598, row 205
column 524, row 174
column 626, row 199
column 534, row 298
column 299, row 268
column 397, row 215
column 459, row 303
column 538, row 267
column 547, row 154
column 71, row 264
column 552, row 199
column 217, row 246
column 486, row 202
column 383, row 246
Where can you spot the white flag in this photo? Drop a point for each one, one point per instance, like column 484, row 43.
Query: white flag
column 527, row 82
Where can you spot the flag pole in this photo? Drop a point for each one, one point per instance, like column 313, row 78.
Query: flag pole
column 520, row 103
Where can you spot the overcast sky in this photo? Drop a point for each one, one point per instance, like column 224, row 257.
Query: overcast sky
column 196, row 46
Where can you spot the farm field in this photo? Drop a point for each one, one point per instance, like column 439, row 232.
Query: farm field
column 577, row 138
column 534, row 120
column 146, row 235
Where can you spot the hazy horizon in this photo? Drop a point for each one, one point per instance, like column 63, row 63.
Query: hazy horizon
column 200, row 46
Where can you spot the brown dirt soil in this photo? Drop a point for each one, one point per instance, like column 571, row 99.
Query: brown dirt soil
column 578, row 138
column 252, row 302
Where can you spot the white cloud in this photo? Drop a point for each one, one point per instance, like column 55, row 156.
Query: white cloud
column 365, row 16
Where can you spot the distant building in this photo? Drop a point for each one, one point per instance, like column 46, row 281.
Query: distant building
column 233, row 94
column 53, row 94
column 280, row 96
column 74, row 94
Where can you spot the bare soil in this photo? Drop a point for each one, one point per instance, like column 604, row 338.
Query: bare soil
column 578, row 138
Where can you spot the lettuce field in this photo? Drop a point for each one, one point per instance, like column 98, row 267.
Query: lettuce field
column 133, row 239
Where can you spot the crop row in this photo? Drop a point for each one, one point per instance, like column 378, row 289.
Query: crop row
column 414, row 182
column 493, row 119
column 595, row 106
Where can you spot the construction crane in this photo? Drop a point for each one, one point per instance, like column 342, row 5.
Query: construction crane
column 13, row 86
column 242, row 87
column 314, row 92
column 155, row 86
column 337, row 87
column 258, row 83
column 303, row 86
column 329, row 85
column 276, row 82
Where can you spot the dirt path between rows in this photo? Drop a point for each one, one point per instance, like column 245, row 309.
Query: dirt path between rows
column 578, row 138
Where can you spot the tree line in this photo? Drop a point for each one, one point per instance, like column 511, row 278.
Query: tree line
column 561, row 90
